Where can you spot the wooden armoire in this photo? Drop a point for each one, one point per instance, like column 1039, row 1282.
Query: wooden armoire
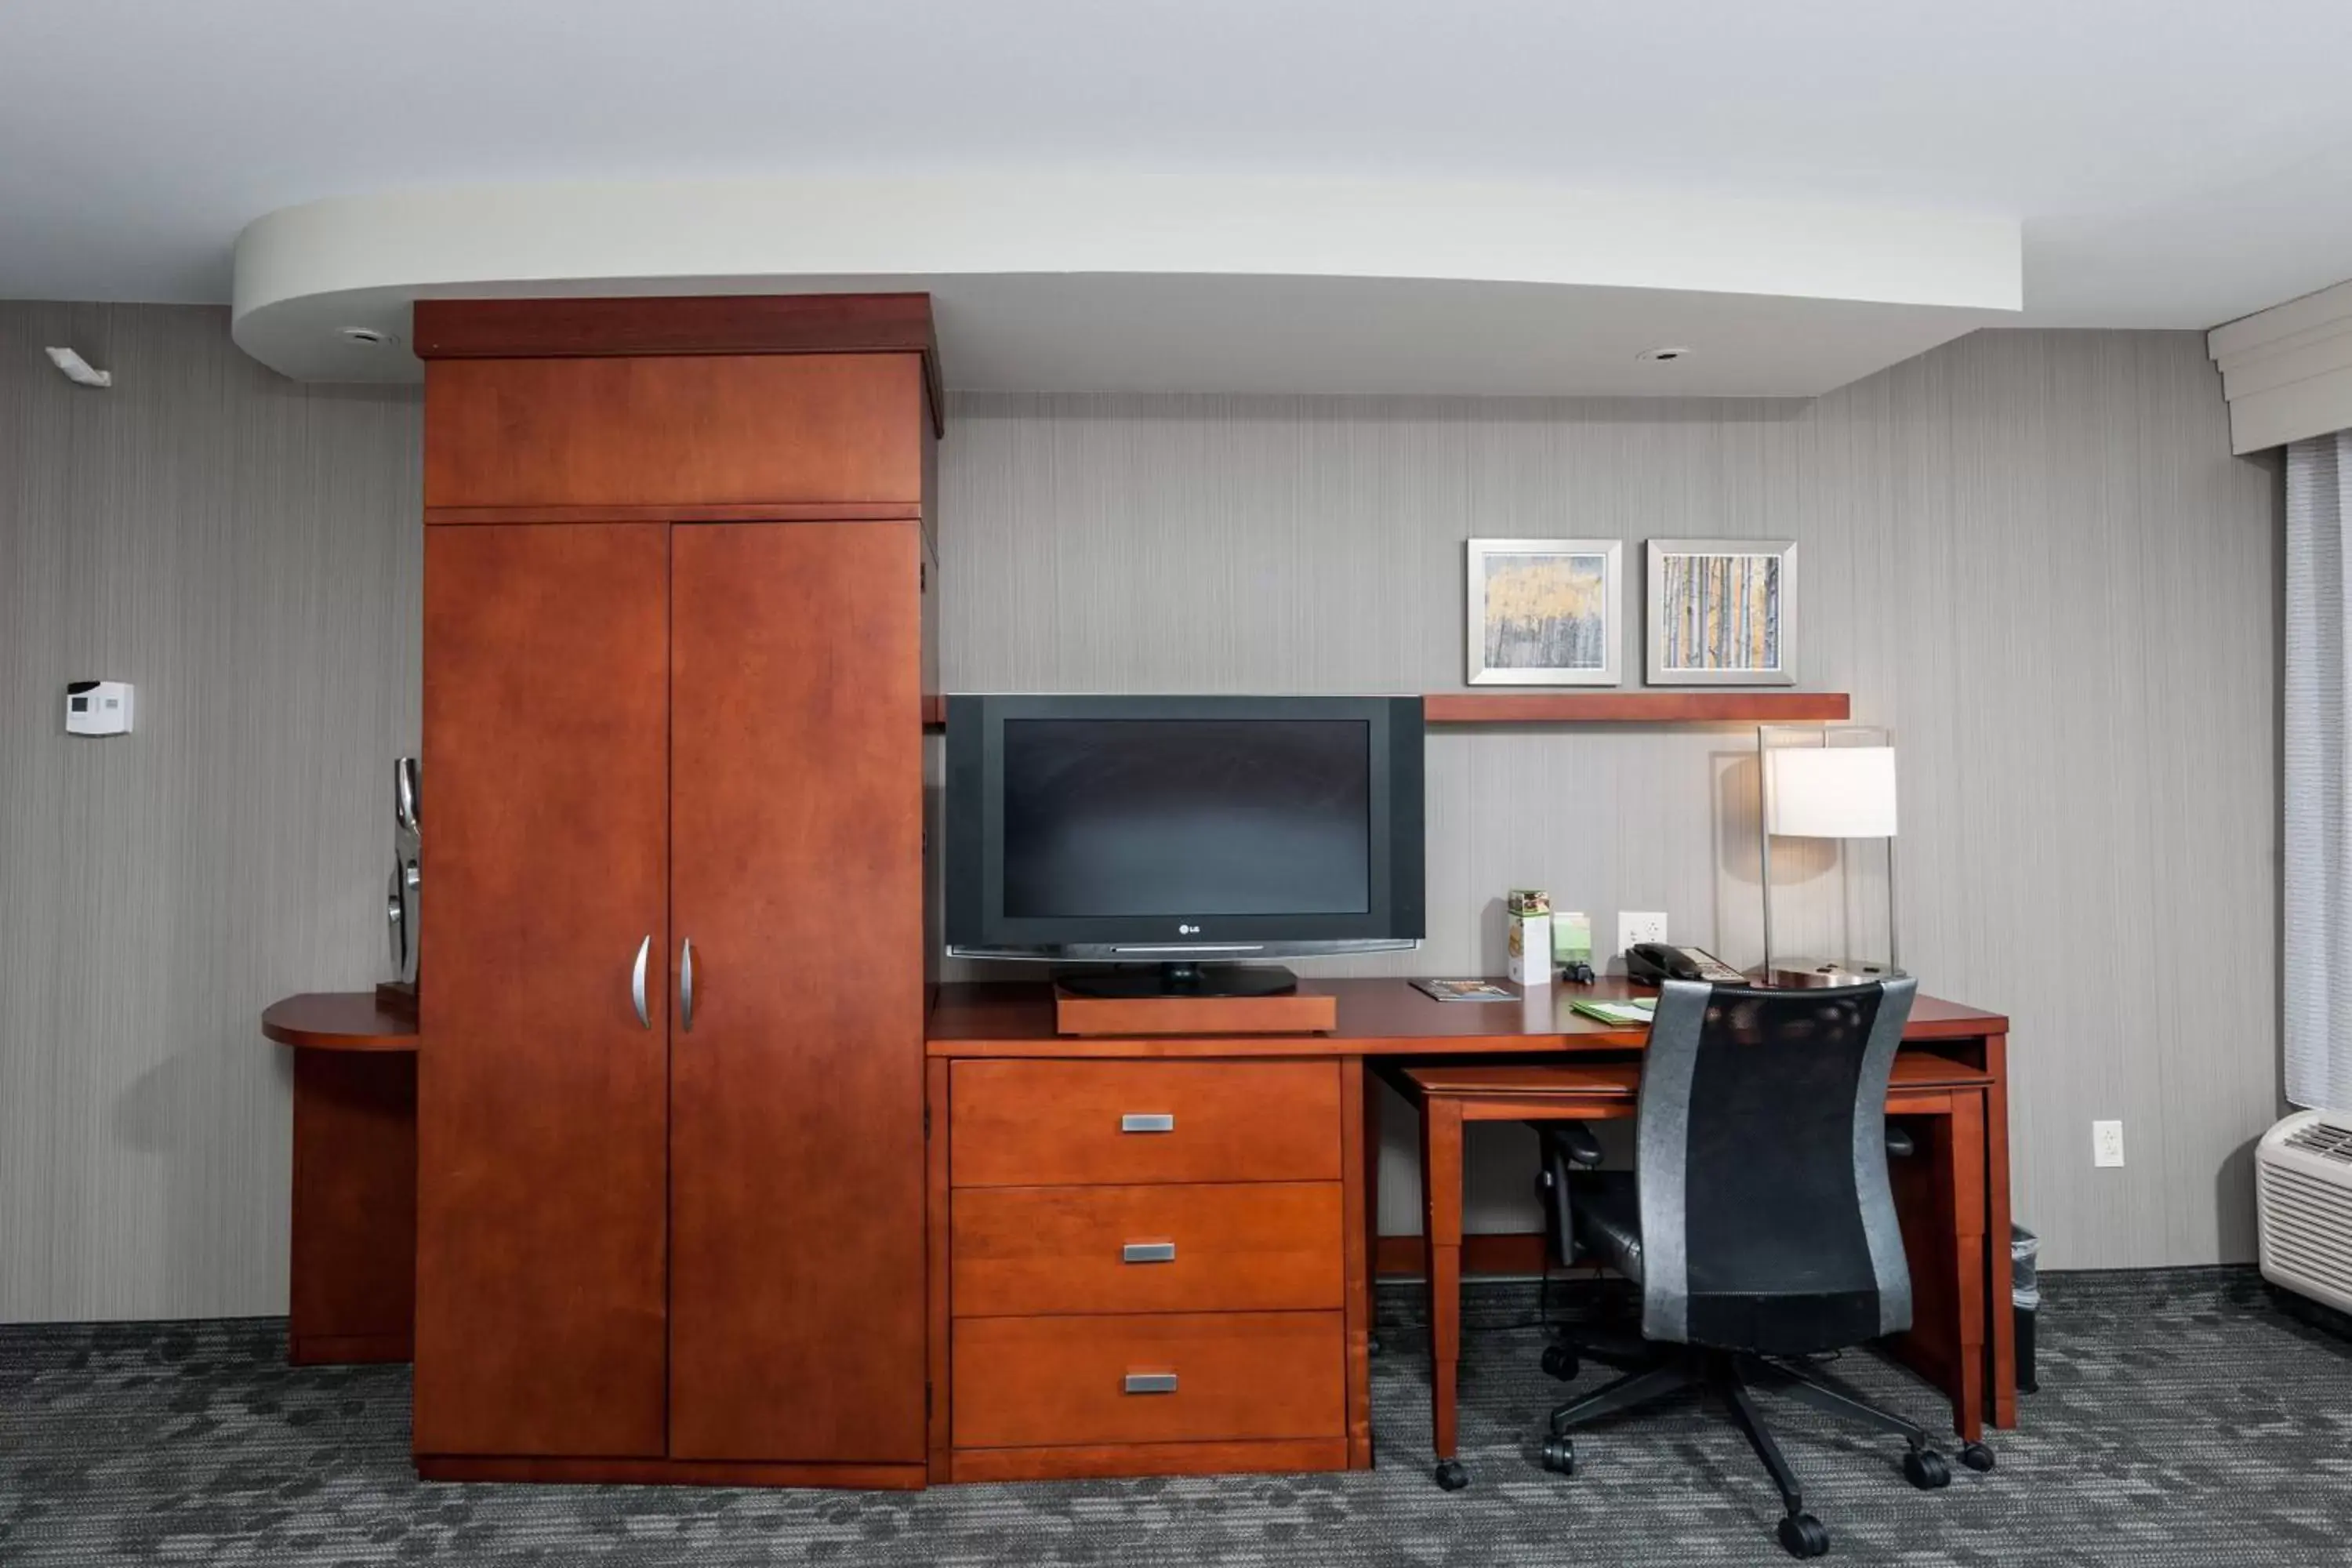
column 670, row 1096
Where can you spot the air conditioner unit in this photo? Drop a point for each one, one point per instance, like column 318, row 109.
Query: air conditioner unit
column 2302, row 1202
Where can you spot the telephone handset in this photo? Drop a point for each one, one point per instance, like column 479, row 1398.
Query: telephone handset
column 1652, row 963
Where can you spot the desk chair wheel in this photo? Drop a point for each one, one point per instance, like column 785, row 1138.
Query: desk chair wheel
column 1559, row 1456
column 1976, row 1456
column 1372, row 1345
column 1926, row 1468
column 1802, row 1535
column 1559, row 1361
column 1450, row 1476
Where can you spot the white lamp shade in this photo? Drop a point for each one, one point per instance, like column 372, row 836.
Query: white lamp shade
column 1829, row 792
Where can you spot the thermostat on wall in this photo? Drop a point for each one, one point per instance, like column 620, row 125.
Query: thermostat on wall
column 98, row 708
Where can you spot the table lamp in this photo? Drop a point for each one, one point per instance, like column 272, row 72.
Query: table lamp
column 1841, row 786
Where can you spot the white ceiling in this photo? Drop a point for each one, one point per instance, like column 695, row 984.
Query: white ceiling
column 2171, row 163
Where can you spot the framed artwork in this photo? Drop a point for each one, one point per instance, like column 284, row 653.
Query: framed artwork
column 1544, row 612
column 1722, row 611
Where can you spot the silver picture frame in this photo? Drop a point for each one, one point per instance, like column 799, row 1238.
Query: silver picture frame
column 1512, row 647
column 1753, row 582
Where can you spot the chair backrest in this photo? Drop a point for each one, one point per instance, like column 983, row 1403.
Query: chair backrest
column 1768, row 1223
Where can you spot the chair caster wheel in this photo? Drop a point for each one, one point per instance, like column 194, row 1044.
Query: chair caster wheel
column 1372, row 1345
column 1926, row 1468
column 1450, row 1476
column 1559, row 1361
column 1559, row 1456
column 1976, row 1456
column 1802, row 1535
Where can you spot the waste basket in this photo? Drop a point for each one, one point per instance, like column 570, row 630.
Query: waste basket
column 2025, row 1298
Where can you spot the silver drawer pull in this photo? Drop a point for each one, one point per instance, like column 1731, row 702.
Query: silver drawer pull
column 1151, row 1383
column 1148, row 1252
column 1147, row 1121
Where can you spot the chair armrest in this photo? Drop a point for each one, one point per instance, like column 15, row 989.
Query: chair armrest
column 1573, row 1139
column 1899, row 1145
column 1562, row 1144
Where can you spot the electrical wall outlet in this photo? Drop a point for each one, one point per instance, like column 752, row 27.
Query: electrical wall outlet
column 2106, row 1142
column 1637, row 925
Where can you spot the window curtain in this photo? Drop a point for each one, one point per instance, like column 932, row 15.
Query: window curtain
column 2318, row 837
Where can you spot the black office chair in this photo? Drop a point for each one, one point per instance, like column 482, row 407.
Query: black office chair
column 1758, row 1221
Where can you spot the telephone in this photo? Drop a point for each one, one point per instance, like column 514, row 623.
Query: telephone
column 1652, row 963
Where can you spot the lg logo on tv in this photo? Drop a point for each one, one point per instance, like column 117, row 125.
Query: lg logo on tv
column 1188, row 931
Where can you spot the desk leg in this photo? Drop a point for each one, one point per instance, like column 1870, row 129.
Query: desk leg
column 1440, row 1203
column 351, row 1266
column 1360, row 1243
column 2002, row 1329
column 1939, row 1195
column 1371, row 1173
column 1967, row 1197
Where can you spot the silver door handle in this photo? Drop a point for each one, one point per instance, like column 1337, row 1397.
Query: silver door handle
column 685, row 985
column 1148, row 1252
column 1147, row 1121
column 1150, row 1383
column 637, row 982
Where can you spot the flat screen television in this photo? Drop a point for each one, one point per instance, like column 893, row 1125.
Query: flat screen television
column 1190, row 834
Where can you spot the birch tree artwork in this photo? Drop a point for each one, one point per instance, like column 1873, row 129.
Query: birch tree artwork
column 1721, row 614
column 1543, row 612
column 1546, row 612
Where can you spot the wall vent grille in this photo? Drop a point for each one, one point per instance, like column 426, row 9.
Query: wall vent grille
column 2326, row 1139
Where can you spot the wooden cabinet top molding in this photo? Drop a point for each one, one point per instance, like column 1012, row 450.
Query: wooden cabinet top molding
column 828, row 435
column 699, row 324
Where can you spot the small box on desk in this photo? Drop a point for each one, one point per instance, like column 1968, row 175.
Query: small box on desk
column 1306, row 1011
column 1527, row 931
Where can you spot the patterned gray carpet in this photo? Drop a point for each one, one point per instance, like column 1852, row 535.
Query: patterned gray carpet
column 2183, row 1419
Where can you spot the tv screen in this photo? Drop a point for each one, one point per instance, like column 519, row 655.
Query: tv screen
column 1115, row 826
column 1187, row 817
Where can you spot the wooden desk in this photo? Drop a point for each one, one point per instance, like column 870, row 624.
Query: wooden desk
column 1015, row 1106
column 1944, row 1220
column 352, row 1270
column 1377, row 1018
column 1270, row 1190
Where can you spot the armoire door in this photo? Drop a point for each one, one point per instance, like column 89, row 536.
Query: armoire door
column 543, row 1117
column 796, row 1143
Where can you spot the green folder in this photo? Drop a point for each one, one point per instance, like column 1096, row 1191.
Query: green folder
column 1633, row 1012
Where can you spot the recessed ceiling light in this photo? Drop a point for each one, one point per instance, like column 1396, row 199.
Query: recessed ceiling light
column 368, row 335
column 1665, row 355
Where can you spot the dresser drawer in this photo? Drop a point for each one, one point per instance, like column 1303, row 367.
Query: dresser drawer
column 1087, row 1122
column 1165, row 1378
column 1210, row 1246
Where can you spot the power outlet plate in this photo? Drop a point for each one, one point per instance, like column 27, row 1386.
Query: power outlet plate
column 1640, row 925
column 2106, row 1142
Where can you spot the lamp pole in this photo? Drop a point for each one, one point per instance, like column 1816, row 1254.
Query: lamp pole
column 1764, row 837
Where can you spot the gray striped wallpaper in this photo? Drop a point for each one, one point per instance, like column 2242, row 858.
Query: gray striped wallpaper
column 246, row 549
column 2030, row 553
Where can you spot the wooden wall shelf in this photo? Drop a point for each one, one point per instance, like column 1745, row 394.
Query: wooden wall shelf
column 1635, row 706
column 1601, row 707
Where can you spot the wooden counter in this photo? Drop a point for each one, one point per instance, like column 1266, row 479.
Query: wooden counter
column 352, row 1270
column 341, row 1021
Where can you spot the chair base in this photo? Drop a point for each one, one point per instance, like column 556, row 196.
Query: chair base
column 1734, row 1374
